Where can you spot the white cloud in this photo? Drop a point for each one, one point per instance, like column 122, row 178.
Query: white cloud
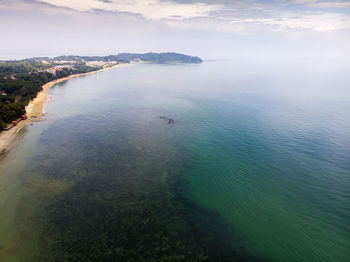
column 151, row 9
column 297, row 21
column 330, row 4
column 235, row 17
column 323, row 22
column 305, row 1
column 323, row 4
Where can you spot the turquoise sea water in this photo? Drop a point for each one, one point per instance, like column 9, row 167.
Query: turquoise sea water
column 256, row 166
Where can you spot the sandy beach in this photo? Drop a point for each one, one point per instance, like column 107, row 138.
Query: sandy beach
column 34, row 110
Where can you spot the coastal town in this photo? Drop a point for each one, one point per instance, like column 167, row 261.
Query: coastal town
column 61, row 65
column 15, row 122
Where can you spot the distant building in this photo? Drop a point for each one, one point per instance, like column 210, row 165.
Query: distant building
column 64, row 62
column 51, row 70
column 60, row 67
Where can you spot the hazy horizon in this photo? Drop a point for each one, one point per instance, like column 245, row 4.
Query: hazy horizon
column 209, row 29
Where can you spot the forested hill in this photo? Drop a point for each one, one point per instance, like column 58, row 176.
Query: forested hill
column 161, row 57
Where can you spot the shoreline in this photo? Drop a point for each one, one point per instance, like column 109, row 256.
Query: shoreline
column 34, row 110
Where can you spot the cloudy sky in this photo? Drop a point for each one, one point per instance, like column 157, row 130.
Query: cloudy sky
column 209, row 28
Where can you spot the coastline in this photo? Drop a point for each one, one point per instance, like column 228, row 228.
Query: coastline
column 34, row 110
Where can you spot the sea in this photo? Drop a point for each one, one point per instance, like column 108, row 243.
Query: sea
column 243, row 159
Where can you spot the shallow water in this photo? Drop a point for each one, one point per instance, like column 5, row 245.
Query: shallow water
column 256, row 166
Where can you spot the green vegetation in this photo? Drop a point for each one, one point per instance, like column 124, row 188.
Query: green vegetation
column 161, row 58
column 20, row 82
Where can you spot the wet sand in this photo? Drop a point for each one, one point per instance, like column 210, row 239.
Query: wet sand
column 34, row 111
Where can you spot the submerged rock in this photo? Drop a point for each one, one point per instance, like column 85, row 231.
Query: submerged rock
column 170, row 120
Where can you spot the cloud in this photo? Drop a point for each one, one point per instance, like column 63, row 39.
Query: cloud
column 330, row 4
column 250, row 21
column 304, row 1
column 150, row 9
column 222, row 15
column 317, row 22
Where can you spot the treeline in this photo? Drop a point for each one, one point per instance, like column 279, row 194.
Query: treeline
column 8, row 68
column 109, row 58
column 159, row 58
column 20, row 82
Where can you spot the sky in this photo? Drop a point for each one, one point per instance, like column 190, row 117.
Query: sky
column 207, row 28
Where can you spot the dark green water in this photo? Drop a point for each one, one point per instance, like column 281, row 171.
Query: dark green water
column 255, row 168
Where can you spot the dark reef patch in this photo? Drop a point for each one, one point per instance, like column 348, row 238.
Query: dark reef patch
column 169, row 120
